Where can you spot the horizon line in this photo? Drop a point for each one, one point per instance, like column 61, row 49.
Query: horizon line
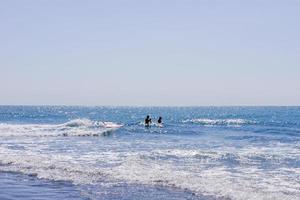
column 136, row 106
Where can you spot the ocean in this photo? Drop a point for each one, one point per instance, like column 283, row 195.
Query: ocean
column 200, row 153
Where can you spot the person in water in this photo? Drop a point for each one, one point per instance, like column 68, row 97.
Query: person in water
column 159, row 121
column 148, row 121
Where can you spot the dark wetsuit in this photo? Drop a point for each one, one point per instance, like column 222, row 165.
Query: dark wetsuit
column 159, row 120
column 147, row 121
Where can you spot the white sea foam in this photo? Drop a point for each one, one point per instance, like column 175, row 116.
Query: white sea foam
column 77, row 127
column 53, row 167
column 79, row 122
column 214, row 122
column 246, row 182
column 243, row 182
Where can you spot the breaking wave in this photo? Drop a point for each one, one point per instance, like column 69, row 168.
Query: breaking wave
column 77, row 127
column 141, row 168
column 220, row 122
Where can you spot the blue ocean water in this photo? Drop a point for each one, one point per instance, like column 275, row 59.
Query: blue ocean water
column 52, row 152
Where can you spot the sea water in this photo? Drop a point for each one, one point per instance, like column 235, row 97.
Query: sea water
column 61, row 152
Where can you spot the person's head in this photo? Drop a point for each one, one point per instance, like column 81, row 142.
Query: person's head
column 148, row 116
column 160, row 118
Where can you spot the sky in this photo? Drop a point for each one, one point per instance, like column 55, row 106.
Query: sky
column 150, row 52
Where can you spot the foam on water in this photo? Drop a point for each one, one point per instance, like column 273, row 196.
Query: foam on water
column 257, row 161
column 217, row 181
column 202, row 171
column 214, row 122
column 53, row 167
column 77, row 127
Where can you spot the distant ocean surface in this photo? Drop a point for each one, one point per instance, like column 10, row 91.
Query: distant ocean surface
column 62, row 152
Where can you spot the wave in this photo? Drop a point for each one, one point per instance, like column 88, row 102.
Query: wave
column 53, row 167
column 77, row 127
column 90, row 123
column 220, row 122
column 140, row 168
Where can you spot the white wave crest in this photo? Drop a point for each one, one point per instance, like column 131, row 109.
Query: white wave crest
column 78, row 123
column 90, row 123
column 214, row 122
column 77, row 127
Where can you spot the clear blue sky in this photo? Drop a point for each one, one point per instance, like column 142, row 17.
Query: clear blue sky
column 150, row 52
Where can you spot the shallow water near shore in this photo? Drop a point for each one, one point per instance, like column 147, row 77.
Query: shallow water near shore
column 107, row 153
